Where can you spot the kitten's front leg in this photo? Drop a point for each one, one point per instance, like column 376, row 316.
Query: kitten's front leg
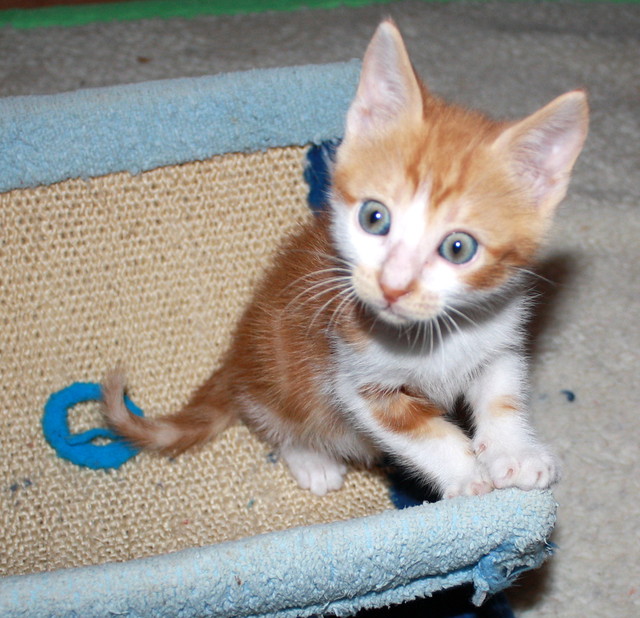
column 416, row 432
column 504, row 442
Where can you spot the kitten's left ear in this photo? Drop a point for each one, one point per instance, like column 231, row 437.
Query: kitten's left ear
column 542, row 149
column 389, row 90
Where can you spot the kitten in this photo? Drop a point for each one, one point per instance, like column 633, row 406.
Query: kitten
column 378, row 316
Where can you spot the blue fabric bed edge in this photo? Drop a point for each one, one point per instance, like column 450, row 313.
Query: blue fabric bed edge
column 45, row 139
column 340, row 568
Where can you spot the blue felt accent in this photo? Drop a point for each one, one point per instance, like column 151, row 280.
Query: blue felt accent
column 317, row 173
column 80, row 448
column 135, row 127
column 337, row 568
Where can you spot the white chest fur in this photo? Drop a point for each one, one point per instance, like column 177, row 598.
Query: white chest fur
column 439, row 361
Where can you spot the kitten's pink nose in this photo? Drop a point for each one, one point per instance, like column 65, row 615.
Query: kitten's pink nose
column 391, row 295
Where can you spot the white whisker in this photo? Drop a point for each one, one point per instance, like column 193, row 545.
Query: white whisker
column 337, row 272
column 376, row 317
column 350, row 298
column 423, row 328
column 436, row 323
column 446, row 324
column 334, row 283
column 417, row 329
column 335, row 289
column 451, row 321
column 462, row 315
column 406, row 331
column 325, row 256
column 538, row 276
column 431, row 337
column 344, row 289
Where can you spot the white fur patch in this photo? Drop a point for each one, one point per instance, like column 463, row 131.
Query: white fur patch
column 476, row 361
column 314, row 471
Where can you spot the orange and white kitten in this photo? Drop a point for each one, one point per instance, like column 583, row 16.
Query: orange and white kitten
column 378, row 316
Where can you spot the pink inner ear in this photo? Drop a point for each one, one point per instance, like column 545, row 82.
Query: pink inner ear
column 388, row 86
column 545, row 146
column 381, row 95
column 541, row 163
column 547, row 154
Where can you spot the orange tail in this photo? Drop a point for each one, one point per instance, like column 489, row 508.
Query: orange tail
column 198, row 422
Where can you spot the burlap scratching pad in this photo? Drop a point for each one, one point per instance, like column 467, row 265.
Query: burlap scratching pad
column 151, row 270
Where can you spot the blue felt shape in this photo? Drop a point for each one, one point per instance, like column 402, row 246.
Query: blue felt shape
column 317, row 173
column 80, row 448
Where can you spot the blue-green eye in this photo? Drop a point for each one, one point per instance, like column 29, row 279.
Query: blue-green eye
column 458, row 248
column 374, row 218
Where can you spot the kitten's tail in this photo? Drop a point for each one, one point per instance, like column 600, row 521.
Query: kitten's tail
column 198, row 422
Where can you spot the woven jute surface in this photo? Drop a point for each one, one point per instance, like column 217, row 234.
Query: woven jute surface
column 152, row 271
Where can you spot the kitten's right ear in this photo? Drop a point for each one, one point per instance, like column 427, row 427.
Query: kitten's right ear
column 542, row 149
column 388, row 90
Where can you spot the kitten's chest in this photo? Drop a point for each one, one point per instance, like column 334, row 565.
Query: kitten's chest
column 440, row 370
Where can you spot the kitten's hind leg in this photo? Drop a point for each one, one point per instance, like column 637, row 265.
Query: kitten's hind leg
column 315, row 471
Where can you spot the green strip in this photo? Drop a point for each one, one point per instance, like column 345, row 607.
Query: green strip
column 147, row 9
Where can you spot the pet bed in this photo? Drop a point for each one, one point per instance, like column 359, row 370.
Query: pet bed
column 135, row 221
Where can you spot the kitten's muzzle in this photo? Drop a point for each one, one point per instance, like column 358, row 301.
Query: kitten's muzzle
column 392, row 295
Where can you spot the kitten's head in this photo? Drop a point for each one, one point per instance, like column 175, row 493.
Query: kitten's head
column 433, row 204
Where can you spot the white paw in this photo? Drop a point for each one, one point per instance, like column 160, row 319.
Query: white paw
column 528, row 467
column 476, row 483
column 314, row 471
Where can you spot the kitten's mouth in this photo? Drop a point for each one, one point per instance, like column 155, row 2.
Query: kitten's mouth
column 403, row 311
column 393, row 316
column 395, row 313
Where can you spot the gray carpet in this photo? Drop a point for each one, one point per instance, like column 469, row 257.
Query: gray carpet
column 509, row 59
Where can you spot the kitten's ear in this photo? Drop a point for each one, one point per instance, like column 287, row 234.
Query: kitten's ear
column 388, row 90
column 542, row 149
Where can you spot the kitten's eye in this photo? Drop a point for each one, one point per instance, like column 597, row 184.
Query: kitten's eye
column 458, row 248
column 374, row 218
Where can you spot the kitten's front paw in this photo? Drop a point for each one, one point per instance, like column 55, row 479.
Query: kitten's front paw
column 475, row 484
column 314, row 471
column 530, row 467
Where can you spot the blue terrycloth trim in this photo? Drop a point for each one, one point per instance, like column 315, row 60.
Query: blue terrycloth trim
column 384, row 559
column 48, row 138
